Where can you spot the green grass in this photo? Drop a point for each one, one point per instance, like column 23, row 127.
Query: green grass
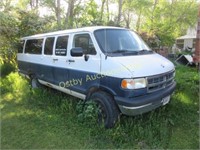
column 46, row 119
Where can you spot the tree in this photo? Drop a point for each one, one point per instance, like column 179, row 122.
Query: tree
column 55, row 7
column 8, row 32
column 104, row 17
column 159, row 19
column 5, row 6
column 87, row 15
column 168, row 19
column 134, row 11
column 34, row 4
column 15, row 23
column 58, row 11
column 102, row 9
column 108, row 12
column 70, row 14
column 120, row 3
column 8, row 37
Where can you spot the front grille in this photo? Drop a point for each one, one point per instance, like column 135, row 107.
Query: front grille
column 159, row 82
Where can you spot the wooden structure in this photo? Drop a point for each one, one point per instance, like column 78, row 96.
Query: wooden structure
column 187, row 41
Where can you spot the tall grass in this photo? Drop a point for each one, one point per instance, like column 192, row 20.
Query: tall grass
column 44, row 118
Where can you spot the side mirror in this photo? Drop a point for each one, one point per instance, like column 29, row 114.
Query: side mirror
column 76, row 52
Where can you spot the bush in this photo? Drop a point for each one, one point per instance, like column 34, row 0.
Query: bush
column 6, row 69
column 13, row 83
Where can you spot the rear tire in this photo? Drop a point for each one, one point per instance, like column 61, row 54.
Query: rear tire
column 108, row 111
column 35, row 83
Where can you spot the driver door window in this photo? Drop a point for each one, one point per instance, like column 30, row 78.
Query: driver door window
column 85, row 42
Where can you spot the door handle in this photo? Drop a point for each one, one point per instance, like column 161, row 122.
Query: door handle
column 70, row 60
column 55, row 59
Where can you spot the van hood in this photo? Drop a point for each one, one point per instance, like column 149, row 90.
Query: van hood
column 145, row 65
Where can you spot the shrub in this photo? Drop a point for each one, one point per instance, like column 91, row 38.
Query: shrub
column 6, row 69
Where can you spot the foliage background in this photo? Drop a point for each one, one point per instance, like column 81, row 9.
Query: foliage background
column 154, row 20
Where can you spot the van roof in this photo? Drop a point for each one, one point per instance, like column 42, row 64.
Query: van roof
column 86, row 29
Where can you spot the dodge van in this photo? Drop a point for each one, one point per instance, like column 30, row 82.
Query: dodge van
column 110, row 65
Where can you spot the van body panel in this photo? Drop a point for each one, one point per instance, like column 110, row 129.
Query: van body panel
column 137, row 65
column 113, row 67
column 80, row 81
column 145, row 103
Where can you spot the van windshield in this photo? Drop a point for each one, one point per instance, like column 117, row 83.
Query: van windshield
column 121, row 42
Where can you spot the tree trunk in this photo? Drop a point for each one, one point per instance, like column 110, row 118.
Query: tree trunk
column 126, row 15
column 31, row 4
column 152, row 15
column 58, row 11
column 69, row 15
column 138, row 21
column 197, row 48
column 119, row 12
column 108, row 12
column 34, row 4
column 102, row 9
column 37, row 3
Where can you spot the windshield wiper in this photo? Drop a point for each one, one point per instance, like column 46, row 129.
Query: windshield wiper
column 145, row 51
column 116, row 51
column 119, row 51
column 124, row 51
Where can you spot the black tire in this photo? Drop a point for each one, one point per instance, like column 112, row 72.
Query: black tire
column 35, row 83
column 108, row 111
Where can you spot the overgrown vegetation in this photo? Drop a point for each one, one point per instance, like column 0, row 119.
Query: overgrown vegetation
column 87, row 112
column 159, row 22
column 46, row 119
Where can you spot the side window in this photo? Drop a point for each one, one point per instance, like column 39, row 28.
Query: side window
column 61, row 46
column 84, row 41
column 48, row 47
column 34, row 46
column 20, row 46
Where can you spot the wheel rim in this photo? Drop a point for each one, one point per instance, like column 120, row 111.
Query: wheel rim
column 101, row 113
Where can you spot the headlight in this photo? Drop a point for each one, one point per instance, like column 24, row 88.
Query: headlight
column 134, row 83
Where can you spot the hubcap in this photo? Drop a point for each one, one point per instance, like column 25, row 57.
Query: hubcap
column 101, row 113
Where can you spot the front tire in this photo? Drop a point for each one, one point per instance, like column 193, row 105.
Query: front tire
column 108, row 111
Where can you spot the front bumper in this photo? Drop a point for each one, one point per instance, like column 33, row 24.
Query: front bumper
column 142, row 104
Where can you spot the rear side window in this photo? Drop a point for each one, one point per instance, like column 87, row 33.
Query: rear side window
column 20, row 46
column 61, row 46
column 34, row 46
column 48, row 47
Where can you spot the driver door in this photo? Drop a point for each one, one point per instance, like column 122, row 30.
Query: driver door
column 83, row 69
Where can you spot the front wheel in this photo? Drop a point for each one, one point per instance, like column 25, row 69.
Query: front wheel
column 108, row 111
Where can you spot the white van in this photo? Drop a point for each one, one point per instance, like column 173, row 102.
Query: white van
column 110, row 65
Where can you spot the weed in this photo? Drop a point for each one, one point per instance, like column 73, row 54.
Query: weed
column 87, row 112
